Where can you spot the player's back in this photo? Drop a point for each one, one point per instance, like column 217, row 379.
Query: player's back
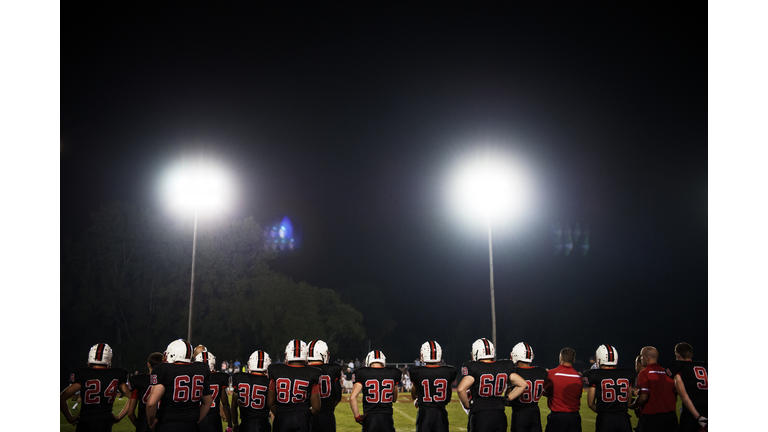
column 251, row 395
column 433, row 384
column 293, row 385
column 379, row 387
column 487, row 391
column 185, row 385
column 695, row 380
column 99, row 389
column 534, row 377
column 330, row 386
column 140, row 384
column 612, row 388
column 219, row 382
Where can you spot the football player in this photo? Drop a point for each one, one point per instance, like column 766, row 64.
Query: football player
column 219, row 383
column 330, row 386
column 525, row 409
column 563, row 389
column 691, row 384
column 100, row 384
column 294, row 391
column 487, row 380
column 182, row 387
column 378, row 384
column 431, row 389
column 657, row 395
column 140, row 388
column 251, row 392
column 610, row 391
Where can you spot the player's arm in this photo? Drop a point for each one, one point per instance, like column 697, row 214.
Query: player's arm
column 272, row 398
column 205, row 406
column 591, row 400
column 687, row 403
column 465, row 385
column 66, row 394
column 158, row 390
column 224, row 406
column 314, row 399
column 132, row 402
column 127, row 393
column 356, row 389
column 519, row 386
column 639, row 402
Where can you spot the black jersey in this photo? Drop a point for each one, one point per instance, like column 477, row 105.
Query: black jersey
column 140, row 385
column 534, row 378
column 251, row 394
column 612, row 388
column 433, row 384
column 185, row 385
column 379, row 387
column 99, row 390
column 330, row 386
column 293, row 386
column 487, row 392
column 219, row 382
column 694, row 375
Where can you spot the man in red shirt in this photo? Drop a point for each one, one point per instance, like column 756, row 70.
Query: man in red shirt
column 563, row 389
column 657, row 397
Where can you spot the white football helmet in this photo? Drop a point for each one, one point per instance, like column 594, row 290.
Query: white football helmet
column 207, row 357
column 375, row 356
column 259, row 361
column 317, row 350
column 431, row 352
column 100, row 354
column 483, row 349
column 522, row 352
column 296, row 350
column 179, row 351
column 606, row 355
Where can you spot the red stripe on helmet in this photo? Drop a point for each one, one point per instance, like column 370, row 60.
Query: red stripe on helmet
column 261, row 360
column 528, row 351
column 311, row 351
column 433, row 350
column 190, row 351
column 100, row 352
column 296, row 348
column 610, row 353
column 487, row 346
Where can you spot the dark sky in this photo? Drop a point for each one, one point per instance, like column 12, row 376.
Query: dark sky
column 351, row 122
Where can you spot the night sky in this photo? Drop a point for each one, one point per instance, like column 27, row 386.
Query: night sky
column 352, row 121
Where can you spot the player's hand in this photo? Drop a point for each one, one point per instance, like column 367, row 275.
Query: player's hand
column 154, row 423
column 360, row 418
column 73, row 420
column 416, row 403
column 702, row 421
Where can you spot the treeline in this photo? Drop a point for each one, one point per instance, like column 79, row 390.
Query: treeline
column 126, row 282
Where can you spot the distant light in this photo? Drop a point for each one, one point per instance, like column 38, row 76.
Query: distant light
column 198, row 185
column 493, row 188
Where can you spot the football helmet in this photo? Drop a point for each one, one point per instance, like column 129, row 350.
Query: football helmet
column 431, row 352
column 482, row 349
column 178, row 351
column 606, row 355
column 296, row 350
column 521, row 352
column 100, row 354
column 207, row 357
column 375, row 356
column 317, row 350
column 259, row 361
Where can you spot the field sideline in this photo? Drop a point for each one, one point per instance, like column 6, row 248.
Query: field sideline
column 404, row 415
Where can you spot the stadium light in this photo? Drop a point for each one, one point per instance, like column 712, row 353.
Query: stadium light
column 491, row 188
column 200, row 186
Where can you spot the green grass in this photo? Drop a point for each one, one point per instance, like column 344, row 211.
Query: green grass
column 404, row 415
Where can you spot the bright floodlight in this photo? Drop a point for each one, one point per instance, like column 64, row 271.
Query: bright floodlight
column 491, row 188
column 197, row 186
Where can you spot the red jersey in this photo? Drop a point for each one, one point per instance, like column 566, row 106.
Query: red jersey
column 563, row 389
column 660, row 388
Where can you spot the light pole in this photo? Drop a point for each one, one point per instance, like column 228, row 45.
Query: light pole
column 490, row 188
column 197, row 186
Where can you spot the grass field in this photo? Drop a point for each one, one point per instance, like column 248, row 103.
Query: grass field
column 404, row 415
